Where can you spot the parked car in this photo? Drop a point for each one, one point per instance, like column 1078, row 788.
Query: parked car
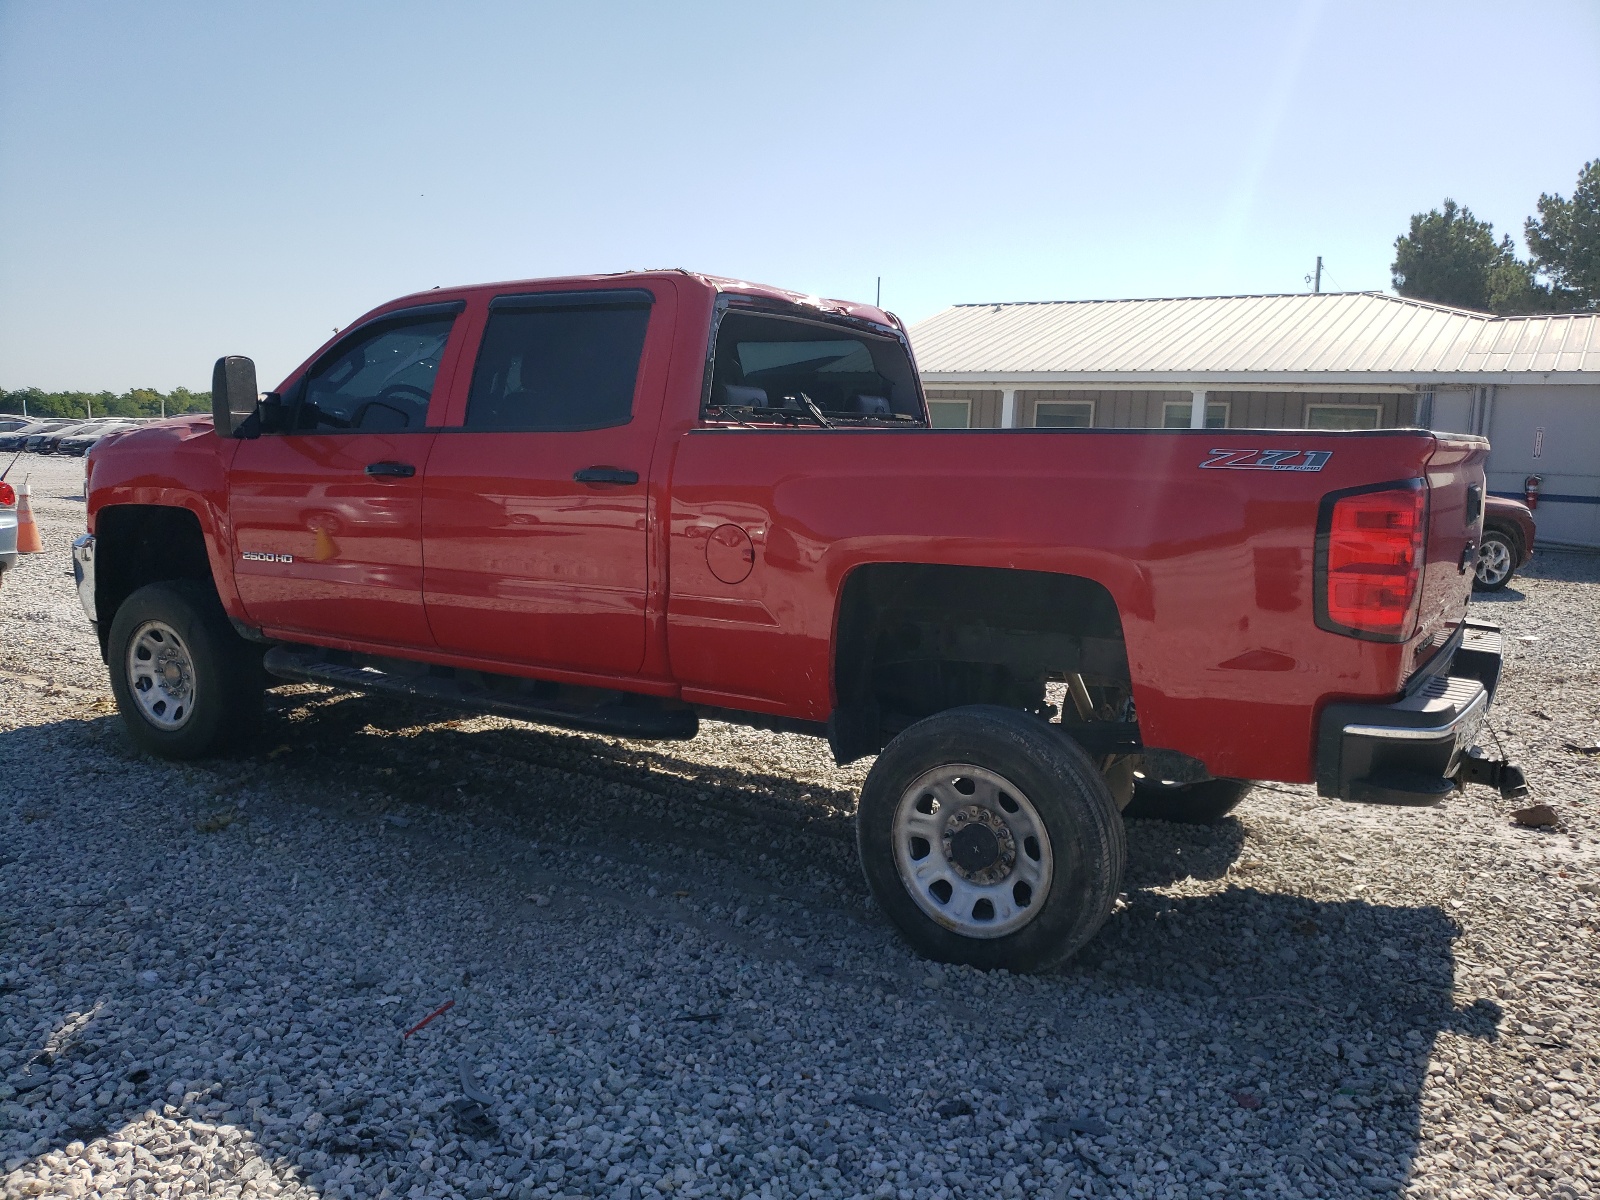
column 45, row 443
column 16, row 439
column 1507, row 543
column 625, row 503
column 35, row 442
column 76, row 444
column 12, row 424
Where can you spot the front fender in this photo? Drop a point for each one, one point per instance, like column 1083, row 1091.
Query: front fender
column 179, row 463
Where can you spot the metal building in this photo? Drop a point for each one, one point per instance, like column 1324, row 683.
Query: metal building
column 1360, row 360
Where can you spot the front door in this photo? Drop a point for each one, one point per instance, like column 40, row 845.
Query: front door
column 327, row 512
column 534, row 510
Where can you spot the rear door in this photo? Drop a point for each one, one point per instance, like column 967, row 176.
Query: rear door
column 535, row 508
column 327, row 513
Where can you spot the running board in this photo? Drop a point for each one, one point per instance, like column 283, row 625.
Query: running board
column 620, row 714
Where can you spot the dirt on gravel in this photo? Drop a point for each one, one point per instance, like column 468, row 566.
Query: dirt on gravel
column 654, row 969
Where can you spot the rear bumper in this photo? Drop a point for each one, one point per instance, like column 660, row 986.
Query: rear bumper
column 1410, row 752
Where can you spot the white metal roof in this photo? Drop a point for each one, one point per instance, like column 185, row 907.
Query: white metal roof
column 1309, row 338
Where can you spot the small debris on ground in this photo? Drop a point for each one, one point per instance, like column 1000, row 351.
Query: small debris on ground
column 473, row 1120
column 438, row 1012
column 1536, row 816
column 874, row 1101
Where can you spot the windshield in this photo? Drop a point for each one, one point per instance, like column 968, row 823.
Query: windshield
column 789, row 370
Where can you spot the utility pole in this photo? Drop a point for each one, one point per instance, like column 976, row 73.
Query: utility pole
column 1316, row 287
column 878, row 303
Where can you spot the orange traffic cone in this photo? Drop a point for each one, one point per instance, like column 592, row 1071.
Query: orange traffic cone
column 28, row 541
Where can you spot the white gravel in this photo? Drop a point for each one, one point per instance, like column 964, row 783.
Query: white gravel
column 666, row 976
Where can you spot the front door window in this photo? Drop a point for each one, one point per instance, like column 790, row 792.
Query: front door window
column 380, row 382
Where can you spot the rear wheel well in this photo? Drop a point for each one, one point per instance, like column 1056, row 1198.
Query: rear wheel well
column 136, row 544
column 916, row 639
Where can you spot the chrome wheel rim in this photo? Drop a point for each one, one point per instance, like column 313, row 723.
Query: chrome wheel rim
column 161, row 675
column 972, row 851
column 1494, row 561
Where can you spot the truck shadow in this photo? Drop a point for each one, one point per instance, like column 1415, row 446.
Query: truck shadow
column 1506, row 595
column 1296, row 1031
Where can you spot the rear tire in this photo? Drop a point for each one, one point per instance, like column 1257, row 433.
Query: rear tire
column 1186, row 803
column 990, row 839
column 186, row 684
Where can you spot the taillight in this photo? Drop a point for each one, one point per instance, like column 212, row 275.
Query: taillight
column 8, row 494
column 1370, row 544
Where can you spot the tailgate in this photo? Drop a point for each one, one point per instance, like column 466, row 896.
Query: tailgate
column 1455, row 474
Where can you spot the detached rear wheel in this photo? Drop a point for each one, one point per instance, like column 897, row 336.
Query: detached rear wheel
column 1186, row 803
column 186, row 684
column 990, row 839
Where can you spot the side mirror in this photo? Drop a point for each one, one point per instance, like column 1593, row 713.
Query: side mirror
column 233, row 393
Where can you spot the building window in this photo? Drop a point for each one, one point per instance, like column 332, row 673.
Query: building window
column 1176, row 414
column 1343, row 416
column 1063, row 414
column 950, row 414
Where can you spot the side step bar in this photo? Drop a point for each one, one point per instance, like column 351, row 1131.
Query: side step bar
column 617, row 713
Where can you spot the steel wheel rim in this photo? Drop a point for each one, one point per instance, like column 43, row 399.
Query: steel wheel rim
column 1494, row 561
column 944, row 824
column 161, row 675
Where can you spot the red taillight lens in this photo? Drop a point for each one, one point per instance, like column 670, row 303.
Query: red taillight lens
column 1372, row 560
column 8, row 495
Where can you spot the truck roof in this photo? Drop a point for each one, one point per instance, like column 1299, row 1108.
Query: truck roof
column 716, row 284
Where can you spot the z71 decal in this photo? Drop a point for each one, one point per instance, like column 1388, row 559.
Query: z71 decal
column 1269, row 460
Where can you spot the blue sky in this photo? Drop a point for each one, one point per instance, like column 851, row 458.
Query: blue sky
column 180, row 181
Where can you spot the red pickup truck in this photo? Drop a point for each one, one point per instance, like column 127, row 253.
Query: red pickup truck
column 625, row 503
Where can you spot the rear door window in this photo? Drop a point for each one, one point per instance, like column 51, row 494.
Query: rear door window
column 559, row 361
column 782, row 368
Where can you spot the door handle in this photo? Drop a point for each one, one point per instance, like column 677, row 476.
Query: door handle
column 391, row 470
column 605, row 475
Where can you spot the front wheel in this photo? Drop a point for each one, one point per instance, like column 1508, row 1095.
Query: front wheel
column 990, row 839
column 1497, row 559
column 186, row 684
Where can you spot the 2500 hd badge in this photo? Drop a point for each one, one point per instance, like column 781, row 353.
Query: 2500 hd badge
column 265, row 556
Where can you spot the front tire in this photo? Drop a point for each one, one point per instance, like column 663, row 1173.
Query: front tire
column 186, row 684
column 1497, row 562
column 990, row 839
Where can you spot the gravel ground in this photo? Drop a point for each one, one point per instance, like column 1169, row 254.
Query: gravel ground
column 664, row 975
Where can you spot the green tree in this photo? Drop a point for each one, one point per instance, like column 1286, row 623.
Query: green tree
column 136, row 402
column 1565, row 242
column 1451, row 257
